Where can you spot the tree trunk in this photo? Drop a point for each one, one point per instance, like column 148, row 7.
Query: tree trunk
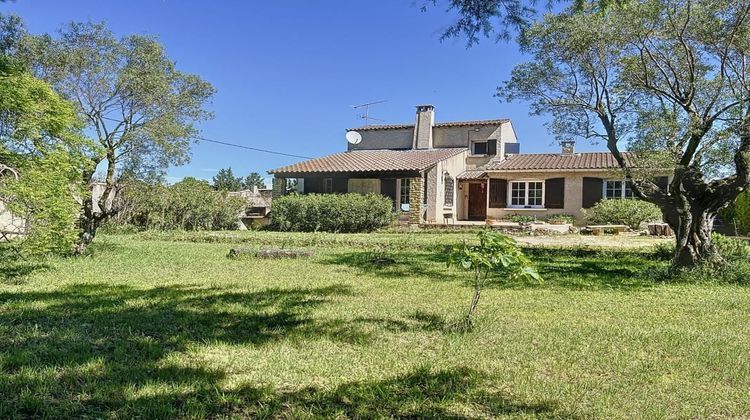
column 694, row 246
column 469, row 320
column 88, row 224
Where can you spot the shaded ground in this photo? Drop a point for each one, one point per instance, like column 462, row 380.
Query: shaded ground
column 161, row 329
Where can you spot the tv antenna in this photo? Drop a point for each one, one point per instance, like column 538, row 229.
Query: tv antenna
column 366, row 115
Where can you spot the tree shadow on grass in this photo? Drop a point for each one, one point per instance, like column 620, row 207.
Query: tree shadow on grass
column 458, row 393
column 14, row 268
column 101, row 341
column 567, row 268
column 593, row 269
column 396, row 265
column 109, row 351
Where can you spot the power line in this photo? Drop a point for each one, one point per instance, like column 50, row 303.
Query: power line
column 250, row 148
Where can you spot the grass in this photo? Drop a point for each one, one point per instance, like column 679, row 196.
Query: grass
column 156, row 327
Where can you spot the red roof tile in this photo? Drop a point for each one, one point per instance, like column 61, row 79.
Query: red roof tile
column 547, row 161
column 372, row 161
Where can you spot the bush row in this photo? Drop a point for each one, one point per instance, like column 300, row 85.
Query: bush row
column 190, row 204
column 331, row 212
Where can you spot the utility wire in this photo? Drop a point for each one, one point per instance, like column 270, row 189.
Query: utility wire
column 250, row 148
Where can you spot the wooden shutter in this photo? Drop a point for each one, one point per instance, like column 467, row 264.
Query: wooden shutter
column 592, row 191
column 498, row 193
column 554, row 193
column 492, row 147
column 662, row 182
column 388, row 189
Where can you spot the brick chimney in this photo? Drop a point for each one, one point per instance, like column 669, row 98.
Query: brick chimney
column 423, row 127
column 568, row 147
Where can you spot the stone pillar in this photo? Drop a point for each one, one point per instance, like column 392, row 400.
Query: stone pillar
column 278, row 185
column 416, row 197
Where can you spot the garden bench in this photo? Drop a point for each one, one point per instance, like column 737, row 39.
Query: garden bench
column 602, row 229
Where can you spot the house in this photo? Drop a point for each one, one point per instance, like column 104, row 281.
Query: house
column 440, row 172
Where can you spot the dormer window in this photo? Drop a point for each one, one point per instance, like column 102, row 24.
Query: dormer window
column 479, row 148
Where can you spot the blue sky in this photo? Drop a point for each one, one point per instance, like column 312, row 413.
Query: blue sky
column 287, row 73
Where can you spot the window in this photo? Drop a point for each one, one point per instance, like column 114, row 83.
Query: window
column 479, row 148
column 617, row 189
column 527, row 194
column 328, row 185
column 404, row 194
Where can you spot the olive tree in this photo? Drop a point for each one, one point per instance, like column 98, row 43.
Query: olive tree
column 666, row 79
column 137, row 107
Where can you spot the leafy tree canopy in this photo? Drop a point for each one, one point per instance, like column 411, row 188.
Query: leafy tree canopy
column 224, row 180
column 138, row 108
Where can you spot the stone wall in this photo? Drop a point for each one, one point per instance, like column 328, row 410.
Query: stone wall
column 277, row 186
column 416, row 196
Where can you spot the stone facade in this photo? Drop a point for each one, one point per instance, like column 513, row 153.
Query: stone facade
column 416, row 198
column 278, row 186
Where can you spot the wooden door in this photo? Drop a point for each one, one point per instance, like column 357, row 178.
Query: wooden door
column 477, row 201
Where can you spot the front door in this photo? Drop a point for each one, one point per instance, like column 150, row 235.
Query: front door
column 477, row 201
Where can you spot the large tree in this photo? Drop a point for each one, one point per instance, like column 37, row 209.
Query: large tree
column 137, row 107
column 666, row 79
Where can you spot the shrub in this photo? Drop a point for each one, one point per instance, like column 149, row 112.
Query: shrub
column 623, row 212
column 738, row 213
column 521, row 218
column 561, row 218
column 190, row 204
column 331, row 213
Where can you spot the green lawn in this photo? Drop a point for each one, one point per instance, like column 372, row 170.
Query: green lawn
column 150, row 327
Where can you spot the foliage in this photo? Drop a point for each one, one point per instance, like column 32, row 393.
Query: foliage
column 496, row 256
column 331, row 212
column 224, row 180
column 665, row 78
column 190, row 204
column 44, row 195
column 561, row 218
column 38, row 138
column 521, row 218
column 254, row 180
column 139, row 108
column 738, row 213
column 629, row 212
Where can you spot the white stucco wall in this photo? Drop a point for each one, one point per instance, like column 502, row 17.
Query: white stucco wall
column 454, row 166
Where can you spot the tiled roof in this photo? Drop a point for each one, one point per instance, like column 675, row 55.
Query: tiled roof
column 549, row 161
column 471, row 174
column 442, row 124
column 372, row 161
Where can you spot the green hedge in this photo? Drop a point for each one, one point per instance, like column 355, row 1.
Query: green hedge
column 738, row 213
column 331, row 212
column 630, row 212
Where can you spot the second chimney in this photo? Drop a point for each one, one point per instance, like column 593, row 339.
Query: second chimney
column 423, row 127
column 568, row 147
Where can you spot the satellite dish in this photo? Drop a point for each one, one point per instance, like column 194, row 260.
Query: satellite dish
column 353, row 137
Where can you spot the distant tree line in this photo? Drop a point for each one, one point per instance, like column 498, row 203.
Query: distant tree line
column 225, row 180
